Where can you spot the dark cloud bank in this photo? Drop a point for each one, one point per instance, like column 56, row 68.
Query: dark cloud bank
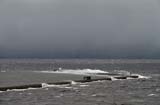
column 80, row 28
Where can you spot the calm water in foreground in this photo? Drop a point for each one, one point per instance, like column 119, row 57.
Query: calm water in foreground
column 144, row 91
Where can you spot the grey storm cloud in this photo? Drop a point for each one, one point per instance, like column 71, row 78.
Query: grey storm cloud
column 80, row 28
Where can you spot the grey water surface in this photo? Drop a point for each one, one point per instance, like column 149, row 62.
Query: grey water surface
column 144, row 91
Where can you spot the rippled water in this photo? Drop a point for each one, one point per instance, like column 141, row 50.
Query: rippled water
column 144, row 91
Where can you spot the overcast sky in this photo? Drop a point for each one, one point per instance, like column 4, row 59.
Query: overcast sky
column 80, row 28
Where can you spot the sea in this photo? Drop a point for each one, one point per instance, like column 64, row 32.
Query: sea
column 144, row 90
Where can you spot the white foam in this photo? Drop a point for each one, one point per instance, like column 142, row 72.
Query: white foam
column 142, row 77
column 130, row 78
column 1, row 91
column 84, row 85
column 21, row 89
column 73, row 82
column 122, row 72
column 152, row 95
column 127, row 73
column 95, row 72
column 83, row 71
column 3, row 71
column 94, row 95
column 45, row 85
column 114, row 79
column 68, row 87
column 77, row 71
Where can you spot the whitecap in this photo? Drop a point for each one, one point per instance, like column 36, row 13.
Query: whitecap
column 3, row 71
column 122, row 72
column 67, row 87
column 73, row 82
column 16, row 90
column 142, row 77
column 114, row 79
column 130, row 78
column 152, row 95
column 1, row 91
column 76, row 71
column 94, row 95
column 45, row 85
column 83, row 85
column 21, row 89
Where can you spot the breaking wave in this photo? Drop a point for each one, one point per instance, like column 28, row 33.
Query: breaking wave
column 45, row 85
column 20, row 89
column 142, row 77
column 122, row 72
column 97, row 72
column 77, row 71
column 3, row 71
column 83, row 72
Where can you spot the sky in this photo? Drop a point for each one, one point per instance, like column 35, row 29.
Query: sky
column 79, row 29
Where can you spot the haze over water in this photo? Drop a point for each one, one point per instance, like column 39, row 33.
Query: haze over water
column 79, row 29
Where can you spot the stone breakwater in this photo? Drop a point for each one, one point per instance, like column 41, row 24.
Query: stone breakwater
column 85, row 79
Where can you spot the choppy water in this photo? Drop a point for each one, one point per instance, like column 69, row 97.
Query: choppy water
column 144, row 91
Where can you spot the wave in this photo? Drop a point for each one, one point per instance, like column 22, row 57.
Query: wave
column 152, row 95
column 98, row 72
column 2, row 91
column 121, row 75
column 122, row 72
column 127, row 73
column 20, row 89
column 45, row 85
column 3, row 71
column 142, row 77
column 77, row 71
